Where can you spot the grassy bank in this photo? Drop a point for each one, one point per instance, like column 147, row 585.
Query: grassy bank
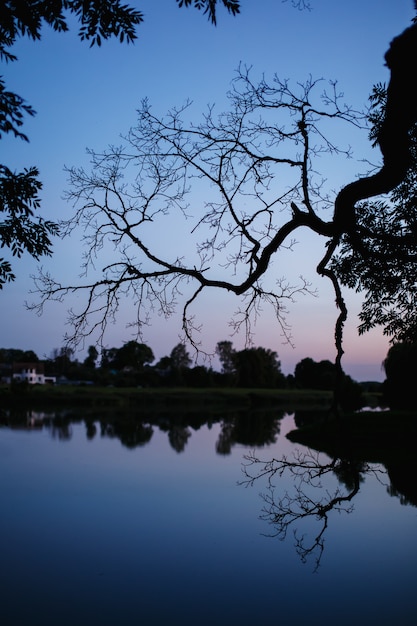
column 172, row 399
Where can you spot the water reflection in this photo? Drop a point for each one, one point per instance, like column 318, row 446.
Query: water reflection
column 392, row 447
column 318, row 488
column 131, row 434
column 138, row 519
column 318, row 483
column 242, row 428
column 403, row 485
column 325, row 475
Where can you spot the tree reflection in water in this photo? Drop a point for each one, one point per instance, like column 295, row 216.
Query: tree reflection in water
column 131, row 433
column 312, row 495
column 178, row 437
column 246, row 428
column 319, row 485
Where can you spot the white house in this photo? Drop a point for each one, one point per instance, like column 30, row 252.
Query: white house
column 33, row 373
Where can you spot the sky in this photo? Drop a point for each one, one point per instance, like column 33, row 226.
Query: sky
column 87, row 98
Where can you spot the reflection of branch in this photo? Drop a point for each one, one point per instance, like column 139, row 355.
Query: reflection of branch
column 309, row 499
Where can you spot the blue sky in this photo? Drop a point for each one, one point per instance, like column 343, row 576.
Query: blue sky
column 88, row 98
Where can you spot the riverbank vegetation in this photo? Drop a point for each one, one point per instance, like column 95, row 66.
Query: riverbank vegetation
column 131, row 367
column 171, row 399
column 374, row 436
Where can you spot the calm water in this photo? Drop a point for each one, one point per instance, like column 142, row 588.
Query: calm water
column 157, row 531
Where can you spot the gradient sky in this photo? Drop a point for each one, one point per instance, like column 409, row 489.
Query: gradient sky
column 88, row 97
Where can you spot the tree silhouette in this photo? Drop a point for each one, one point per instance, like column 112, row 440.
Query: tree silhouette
column 256, row 165
column 226, row 354
column 235, row 156
column 400, row 369
column 132, row 355
column 258, row 367
column 20, row 231
column 388, row 230
column 98, row 21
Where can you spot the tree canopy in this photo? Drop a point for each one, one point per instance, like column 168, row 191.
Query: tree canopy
column 131, row 355
column 400, row 369
column 387, row 229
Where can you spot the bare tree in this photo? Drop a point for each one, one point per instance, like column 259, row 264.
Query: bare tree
column 98, row 21
column 313, row 496
column 241, row 184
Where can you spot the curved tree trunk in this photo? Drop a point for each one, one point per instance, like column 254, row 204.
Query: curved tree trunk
column 394, row 136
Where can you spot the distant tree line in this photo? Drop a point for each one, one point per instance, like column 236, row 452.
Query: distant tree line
column 133, row 364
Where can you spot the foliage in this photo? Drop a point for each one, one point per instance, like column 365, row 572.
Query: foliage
column 252, row 367
column 61, row 363
column 309, row 374
column 209, row 7
column 388, row 242
column 9, row 356
column 130, row 365
column 98, row 21
column 12, row 112
column 233, row 6
column 19, row 230
column 179, row 357
column 401, row 376
column 258, row 367
column 176, row 366
column 92, row 357
column 226, row 352
column 227, row 358
column 131, row 355
column 125, row 366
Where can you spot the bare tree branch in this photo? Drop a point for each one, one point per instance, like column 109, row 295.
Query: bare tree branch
column 235, row 182
column 240, row 184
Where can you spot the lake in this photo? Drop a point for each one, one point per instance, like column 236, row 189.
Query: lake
column 105, row 524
